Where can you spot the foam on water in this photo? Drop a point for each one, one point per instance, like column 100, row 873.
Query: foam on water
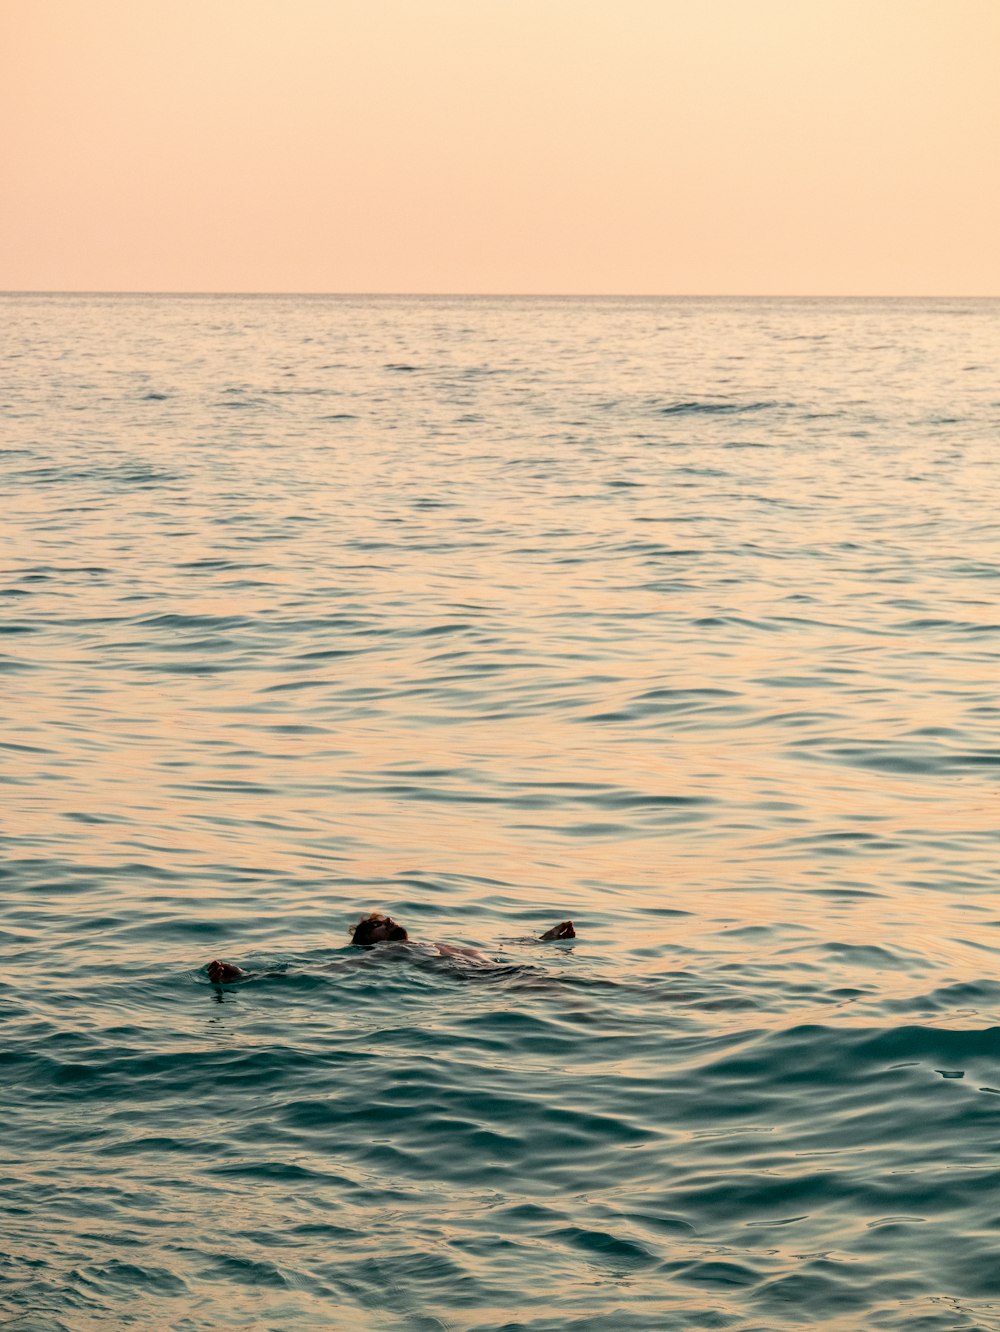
column 676, row 617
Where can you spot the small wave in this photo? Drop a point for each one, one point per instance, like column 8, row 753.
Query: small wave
column 177, row 620
column 706, row 407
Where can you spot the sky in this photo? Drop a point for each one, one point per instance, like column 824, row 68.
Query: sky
column 800, row 147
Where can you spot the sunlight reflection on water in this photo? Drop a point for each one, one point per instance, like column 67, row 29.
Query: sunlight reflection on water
column 675, row 617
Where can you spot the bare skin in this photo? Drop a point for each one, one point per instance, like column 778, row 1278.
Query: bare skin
column 376, row 929
column 220, row 972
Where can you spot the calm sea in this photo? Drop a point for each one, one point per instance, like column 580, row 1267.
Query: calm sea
column 676, row 617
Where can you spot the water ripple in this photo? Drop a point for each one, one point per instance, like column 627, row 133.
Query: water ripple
column 672, row 617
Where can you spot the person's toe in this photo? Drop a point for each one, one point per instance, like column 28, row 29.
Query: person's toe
column 564, row 930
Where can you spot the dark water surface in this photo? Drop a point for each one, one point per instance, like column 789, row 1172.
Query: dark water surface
column 676, row 617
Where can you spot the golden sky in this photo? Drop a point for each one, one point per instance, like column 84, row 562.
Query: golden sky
column 626, row 146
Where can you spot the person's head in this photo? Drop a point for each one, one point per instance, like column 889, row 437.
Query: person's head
column 377, row 928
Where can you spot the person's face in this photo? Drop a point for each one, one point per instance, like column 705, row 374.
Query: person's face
column 387, row 929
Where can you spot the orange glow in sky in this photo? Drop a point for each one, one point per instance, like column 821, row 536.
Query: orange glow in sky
column 627, row 146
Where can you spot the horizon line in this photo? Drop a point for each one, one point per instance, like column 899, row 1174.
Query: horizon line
column 509, row 295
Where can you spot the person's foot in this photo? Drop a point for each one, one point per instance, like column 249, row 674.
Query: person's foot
column 564, row 930
column 220, row 972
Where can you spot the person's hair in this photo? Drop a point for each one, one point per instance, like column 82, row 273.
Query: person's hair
column 362, row 932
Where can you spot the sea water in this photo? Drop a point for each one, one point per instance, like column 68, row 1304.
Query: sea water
column 678, row 618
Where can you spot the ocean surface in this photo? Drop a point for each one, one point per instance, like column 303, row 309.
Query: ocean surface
column 679, row 618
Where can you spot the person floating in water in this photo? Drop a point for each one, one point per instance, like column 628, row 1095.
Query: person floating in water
column 376, row 929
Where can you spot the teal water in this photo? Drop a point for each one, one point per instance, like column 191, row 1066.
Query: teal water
column 679, row 618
